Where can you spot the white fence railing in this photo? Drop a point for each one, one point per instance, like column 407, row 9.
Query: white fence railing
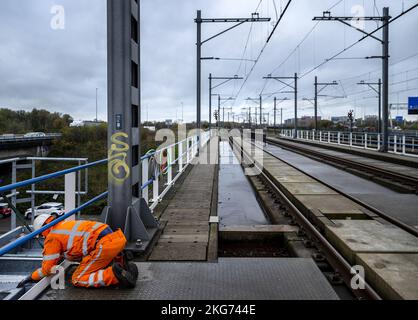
column 398, row 143
column 161, row 169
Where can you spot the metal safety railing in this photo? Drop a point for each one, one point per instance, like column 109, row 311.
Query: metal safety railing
column 184, row 151
column 21, row 241
column 162, row 168
column 398, row 143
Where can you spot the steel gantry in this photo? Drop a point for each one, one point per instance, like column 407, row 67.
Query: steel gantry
column 211, row 79
column 276, row 103
column 126, row 208
column 258, row 101
column 379, row 93
column 199, row 43
column 294, row 87
column 385, row 19
column 223, row 108
column 319, row 87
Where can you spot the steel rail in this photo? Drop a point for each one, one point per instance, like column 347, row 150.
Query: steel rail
column 350, row 163
column 383, row 215
column 336, row 260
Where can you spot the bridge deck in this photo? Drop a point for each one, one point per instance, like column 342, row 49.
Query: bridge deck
column 362, row 237
column 186, row 234
column 400, row 206
column 229, row 279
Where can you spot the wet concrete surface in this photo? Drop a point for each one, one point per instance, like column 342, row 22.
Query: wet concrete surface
column 237, row 203
column 401, row 206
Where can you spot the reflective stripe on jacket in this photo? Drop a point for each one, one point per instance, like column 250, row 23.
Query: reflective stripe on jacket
column 72, row 240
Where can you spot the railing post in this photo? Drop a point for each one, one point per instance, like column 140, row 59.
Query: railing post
column 351, row 139
column 329, row 137
column 145, row 179
column 403, row 145
column 170, row 165
column 70, row 186
column 339, row 138
column 365, row 141
column 189, row 152
column 193, row 148
column 33, row 188
column 155, row 189
column 181, row 156
column 378, row 141
column 395, row 143
column 320, row 136
column 14, row 180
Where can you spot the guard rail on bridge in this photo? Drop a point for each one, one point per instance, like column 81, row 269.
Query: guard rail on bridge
column 398, row 143
column 178, row 155
column 21, row 138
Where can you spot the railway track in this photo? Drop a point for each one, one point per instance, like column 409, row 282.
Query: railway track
column 313, row 238
column 396, row 181
column 315, row 228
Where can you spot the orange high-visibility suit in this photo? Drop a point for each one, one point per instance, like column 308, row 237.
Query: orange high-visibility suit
column 92, row 243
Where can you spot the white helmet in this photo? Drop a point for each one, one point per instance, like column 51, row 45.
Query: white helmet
column 40, row 221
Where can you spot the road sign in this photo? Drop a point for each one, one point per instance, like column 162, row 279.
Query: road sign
column 399, row 119
column 413, row 105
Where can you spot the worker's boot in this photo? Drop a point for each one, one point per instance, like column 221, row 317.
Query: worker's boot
column 133, row 269
column 126, row 278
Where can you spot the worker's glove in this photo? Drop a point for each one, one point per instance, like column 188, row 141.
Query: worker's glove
column 25, row 281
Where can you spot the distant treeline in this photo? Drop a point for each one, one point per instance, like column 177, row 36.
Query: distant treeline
column 75, row 142
column 37, row 120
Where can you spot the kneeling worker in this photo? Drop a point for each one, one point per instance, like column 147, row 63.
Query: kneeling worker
column 99, row 249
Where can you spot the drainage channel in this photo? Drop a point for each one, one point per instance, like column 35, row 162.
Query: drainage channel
column 245, row 230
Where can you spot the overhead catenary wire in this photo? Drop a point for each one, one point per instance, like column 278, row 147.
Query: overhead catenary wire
column 366, row 74
column 358, row 41
column 305, row 37
column 259, row 55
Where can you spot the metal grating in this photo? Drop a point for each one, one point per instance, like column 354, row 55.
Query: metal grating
column 246, row 279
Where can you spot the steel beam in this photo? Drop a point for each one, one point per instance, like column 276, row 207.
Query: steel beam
column 385, row 78
column 124, row 109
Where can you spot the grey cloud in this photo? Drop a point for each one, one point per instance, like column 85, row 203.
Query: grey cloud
column 59, row 70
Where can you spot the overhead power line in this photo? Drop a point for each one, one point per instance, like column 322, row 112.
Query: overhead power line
column 306, row 36
column 358, row 41
column 280, row 19
column 260, row 54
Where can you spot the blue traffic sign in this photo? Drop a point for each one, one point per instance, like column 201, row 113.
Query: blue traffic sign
column 413, row 105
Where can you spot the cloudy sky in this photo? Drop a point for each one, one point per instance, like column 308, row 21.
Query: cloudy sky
column 60, row 69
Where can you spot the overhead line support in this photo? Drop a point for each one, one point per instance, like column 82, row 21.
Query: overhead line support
column 199, row 21
column 386, row 19
column 295, row 91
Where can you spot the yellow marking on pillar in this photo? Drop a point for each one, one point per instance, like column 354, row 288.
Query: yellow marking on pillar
column 118, row 168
